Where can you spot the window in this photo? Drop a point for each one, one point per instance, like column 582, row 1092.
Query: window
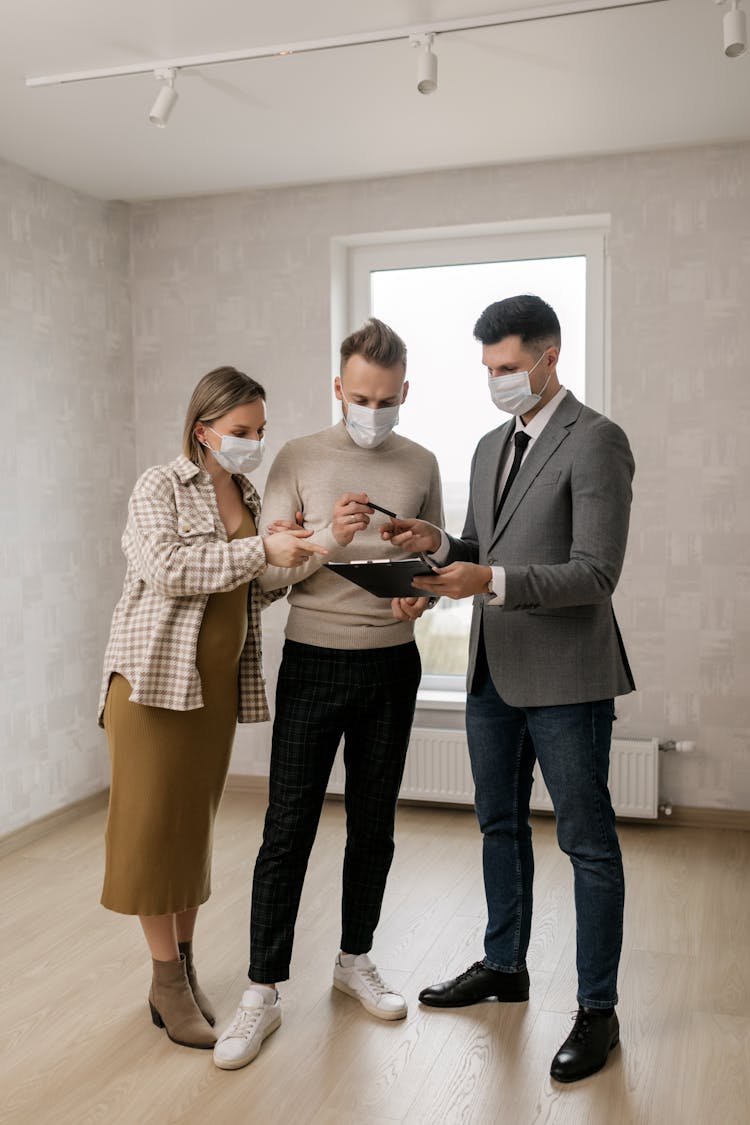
column 431, row 291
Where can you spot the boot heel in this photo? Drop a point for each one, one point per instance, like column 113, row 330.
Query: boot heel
column 155, row 1015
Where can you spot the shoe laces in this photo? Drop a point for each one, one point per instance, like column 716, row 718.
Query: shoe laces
column 581, row 1025
column 375, row 982
column 244, row 1023
column 471, row 971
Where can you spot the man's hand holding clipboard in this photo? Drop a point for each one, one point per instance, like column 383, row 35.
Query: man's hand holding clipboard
column 459, row 580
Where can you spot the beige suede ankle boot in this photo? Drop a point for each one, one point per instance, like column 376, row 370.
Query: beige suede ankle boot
column 173, row 1006
column 201, row 999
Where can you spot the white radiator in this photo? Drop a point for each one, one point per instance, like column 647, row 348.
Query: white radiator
column 437, row 769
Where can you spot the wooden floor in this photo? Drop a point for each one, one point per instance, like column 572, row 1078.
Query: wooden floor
column 78, row 1046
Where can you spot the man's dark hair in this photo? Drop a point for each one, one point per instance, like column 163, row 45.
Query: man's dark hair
column 375, row 342
column 526, row 316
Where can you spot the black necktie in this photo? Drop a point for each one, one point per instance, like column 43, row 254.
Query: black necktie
column 521, row 440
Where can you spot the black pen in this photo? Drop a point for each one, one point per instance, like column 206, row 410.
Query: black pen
column 383, row 510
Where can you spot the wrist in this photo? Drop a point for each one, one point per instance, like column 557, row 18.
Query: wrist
column 487, row 584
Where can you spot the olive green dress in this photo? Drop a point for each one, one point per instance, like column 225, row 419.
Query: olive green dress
column 169, row 770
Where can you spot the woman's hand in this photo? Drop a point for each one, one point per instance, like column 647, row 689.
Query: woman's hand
column 288, row 548
column 285, row 525
column 350, row 515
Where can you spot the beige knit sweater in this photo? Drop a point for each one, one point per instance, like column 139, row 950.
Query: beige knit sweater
column 309, row 475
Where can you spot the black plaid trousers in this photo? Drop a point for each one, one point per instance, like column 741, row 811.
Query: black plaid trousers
column 368, row 696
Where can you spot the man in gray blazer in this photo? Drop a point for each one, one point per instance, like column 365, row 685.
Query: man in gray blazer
column 541, row 553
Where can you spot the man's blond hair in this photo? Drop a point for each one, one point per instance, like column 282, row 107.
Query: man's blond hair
column 375, row 342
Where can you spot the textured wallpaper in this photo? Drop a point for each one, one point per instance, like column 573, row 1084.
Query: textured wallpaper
column 98, row 355
column 245, row 279
column 68, row 463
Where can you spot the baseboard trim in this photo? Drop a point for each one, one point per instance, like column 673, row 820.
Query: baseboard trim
column 30, row 833
column 247, row 783
column 683, row 816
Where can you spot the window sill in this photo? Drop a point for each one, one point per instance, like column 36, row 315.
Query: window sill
column 428, row 700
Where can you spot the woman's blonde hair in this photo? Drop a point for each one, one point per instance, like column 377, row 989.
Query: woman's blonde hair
column 216, row 394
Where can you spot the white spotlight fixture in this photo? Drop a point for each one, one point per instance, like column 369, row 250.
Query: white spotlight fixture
column 735, row 30
column 419, row 35
column 427, row 68
column 166, row 99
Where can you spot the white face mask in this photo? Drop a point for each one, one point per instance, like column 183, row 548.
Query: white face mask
column 366, row 427
column 513, row 394
column 237, row 454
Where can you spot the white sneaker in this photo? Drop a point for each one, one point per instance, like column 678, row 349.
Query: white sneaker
column 363, row 981
column 253, row 1022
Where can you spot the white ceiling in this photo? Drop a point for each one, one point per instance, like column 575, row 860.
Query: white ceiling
column 648, row 77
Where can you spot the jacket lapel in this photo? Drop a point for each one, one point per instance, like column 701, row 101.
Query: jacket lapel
column 489, row 479
column 552, row 436
column 186, row 472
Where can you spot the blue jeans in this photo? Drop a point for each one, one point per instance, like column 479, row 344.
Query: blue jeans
column 571, row 743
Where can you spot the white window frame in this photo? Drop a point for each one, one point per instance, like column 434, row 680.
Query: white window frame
column 355, row 257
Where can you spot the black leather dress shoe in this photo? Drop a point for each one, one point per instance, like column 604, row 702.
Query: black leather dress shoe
column 586, row 1049
column 475, row 984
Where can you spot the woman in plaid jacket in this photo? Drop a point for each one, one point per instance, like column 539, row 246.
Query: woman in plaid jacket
column 182, row 666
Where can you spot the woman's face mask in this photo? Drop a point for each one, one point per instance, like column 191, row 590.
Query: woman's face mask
column 236, row 454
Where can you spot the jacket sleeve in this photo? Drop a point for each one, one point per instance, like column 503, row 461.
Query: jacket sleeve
column 601, row 494
column 169, row 564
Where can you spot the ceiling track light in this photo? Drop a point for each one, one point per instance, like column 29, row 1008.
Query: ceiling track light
column 427, row 68
column 166, row 99
column 735, row 30
column 423, row 32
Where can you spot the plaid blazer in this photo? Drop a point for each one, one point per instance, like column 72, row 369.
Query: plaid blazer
column 177, row 553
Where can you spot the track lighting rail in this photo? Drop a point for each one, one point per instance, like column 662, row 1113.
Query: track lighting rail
column 436, row 28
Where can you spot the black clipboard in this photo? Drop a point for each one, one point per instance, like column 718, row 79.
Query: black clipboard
column 385, row 578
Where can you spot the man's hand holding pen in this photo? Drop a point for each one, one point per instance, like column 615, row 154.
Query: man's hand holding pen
column 414, row 535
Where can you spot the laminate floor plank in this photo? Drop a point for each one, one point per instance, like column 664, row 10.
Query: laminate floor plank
column 712, row 1083
column 77, row 1046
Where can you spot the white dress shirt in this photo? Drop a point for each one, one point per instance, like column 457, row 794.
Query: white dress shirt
column 533, row 429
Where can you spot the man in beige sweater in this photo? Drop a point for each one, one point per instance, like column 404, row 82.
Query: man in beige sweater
column 350, row 669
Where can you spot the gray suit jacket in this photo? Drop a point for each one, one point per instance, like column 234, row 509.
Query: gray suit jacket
column 561, row 538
